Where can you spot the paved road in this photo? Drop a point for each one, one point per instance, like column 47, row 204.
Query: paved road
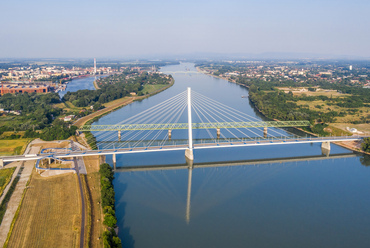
column 82, row 236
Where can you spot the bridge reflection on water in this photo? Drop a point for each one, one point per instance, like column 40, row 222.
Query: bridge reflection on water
column 256, row 162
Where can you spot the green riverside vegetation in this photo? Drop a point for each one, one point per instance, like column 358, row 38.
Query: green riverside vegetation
column 366, row 145
column 110, row 238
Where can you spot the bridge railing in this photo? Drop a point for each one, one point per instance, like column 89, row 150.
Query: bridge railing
column 182, row 142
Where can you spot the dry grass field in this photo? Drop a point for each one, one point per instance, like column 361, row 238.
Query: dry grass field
column 319, row 92
column 13, row 147
column 44, row 145
column 50, row 213
column 117, row 101
column 326, row 108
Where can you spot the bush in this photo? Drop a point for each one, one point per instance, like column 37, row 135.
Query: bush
column 366, row 145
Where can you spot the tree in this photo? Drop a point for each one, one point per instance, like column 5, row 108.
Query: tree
column 110, row 220
column 366, row 145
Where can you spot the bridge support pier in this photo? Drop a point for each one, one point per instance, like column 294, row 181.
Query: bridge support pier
column 169, row 134
column 325, row 145
column 265, row 132
column 1, row 163
column 189, row 154
column 119, row 135
column 218, row 133
column 325, row 148
column 114, row 158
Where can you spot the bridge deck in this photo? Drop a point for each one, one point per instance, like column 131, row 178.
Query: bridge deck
column 257, row 142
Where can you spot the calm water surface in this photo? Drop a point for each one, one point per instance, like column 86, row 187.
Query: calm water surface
column 308, row 203
column 86, row 83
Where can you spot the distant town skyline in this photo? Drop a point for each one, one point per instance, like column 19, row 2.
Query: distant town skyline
column 141, row 28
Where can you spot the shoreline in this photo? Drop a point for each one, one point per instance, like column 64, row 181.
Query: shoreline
column 341, row 144
column 100, row 113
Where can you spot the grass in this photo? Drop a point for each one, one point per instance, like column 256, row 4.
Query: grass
column 337, row 131
column 152, row 87
column 13, row 147
column 320, row 92
column 46, row 145
column 326, row 108
column 117, row 101
column 361, row 127
column 5, row 176
column 6, row 199
column 49, row 214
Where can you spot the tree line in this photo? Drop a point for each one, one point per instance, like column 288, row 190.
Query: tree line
column 110, row 238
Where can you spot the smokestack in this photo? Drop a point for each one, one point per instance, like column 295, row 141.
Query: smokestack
column 94, row 66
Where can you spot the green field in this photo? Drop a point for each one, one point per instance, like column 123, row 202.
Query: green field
column 5, row 176
column 13, row 147
column 152, row 87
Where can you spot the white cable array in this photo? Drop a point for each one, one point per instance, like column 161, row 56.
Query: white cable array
column 145, row 117
column 237, row 112
column 216, row 120
column 161, row 118
column 170, row 111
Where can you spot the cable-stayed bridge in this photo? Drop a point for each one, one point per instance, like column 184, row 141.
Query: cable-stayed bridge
column 155, row 129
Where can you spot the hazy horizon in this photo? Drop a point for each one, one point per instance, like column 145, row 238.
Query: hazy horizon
column 159, row 29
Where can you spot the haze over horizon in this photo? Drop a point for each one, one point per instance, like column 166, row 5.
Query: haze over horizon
column 143, row 28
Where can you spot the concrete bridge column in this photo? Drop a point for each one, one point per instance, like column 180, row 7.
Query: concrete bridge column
column 325, row 145
column 119, row 135
column 265, row 132
column 1, row 163
column 218, row 133
column 169, row 134
column 114, row 158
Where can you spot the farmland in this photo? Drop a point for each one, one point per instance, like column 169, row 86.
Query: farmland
column 48, row 215
column 13, row 147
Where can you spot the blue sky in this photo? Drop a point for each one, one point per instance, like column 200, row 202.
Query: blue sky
column 113, row 28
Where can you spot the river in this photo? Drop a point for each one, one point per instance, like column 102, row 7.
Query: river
column 86, row 83
column 302, row 203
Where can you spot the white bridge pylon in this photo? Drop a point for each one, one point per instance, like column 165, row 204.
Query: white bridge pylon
column 189, row 152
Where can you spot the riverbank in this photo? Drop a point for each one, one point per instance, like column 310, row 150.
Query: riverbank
column 354, row 146
column 109, row 107
column 96, row 85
